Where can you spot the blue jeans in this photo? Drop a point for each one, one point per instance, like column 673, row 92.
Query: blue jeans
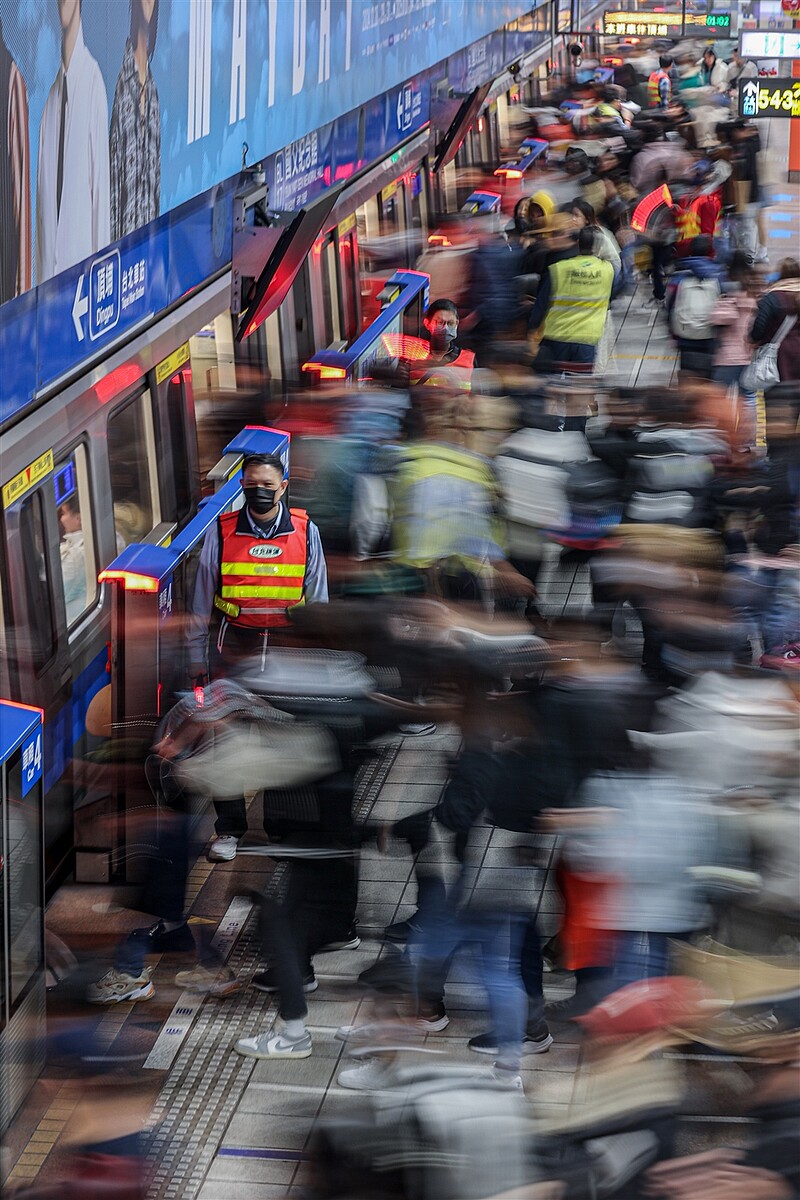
column 748, row 409
column 499, row 937
column 641, row 955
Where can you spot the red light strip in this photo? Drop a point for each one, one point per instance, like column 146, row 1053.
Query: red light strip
column 27, row 707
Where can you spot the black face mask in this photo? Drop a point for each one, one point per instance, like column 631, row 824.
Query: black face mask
column 259, row 499
column 441, row 341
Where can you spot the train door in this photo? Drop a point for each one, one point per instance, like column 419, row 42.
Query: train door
column 38, row 642
column 305, row 338
column 331, row 307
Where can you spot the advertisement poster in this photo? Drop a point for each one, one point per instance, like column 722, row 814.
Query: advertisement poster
column 114, row 112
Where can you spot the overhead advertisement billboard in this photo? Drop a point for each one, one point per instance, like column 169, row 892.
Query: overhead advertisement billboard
column 114, row 112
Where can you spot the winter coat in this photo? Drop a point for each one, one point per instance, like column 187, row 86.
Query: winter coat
column 662, row 827
column 781, row 301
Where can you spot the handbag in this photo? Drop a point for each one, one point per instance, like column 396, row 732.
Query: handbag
column 762, row 373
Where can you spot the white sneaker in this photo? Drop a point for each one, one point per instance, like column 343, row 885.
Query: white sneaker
column 208, row 982
column 116, row 986
column 223, row 849
column 275, row 1045
column 376, row 1032
column 507, row 1079
column 372, row 1075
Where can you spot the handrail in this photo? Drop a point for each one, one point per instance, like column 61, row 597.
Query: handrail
column 402, row 289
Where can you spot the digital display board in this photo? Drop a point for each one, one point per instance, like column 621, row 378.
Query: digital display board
column 769, row 97
column 639, row 24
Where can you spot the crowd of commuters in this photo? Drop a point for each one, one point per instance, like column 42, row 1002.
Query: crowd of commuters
column 651, row 739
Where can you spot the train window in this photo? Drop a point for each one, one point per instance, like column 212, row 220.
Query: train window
column 76, row 545
column 131, row 460
column 330, row 293
column 38, row 589
column 179, row 446
column 350, row 289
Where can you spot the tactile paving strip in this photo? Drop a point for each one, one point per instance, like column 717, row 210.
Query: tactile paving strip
column 207, row 1080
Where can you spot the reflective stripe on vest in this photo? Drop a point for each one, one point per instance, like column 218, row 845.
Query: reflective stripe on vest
column 253, row 593
column 580, row 289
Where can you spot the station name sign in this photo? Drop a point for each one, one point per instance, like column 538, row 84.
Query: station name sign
column 769, row 97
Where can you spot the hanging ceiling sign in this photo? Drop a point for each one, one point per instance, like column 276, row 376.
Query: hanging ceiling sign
column 769, row 97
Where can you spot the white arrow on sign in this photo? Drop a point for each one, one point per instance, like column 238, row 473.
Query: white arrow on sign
column 750, row 87
column 80, row 307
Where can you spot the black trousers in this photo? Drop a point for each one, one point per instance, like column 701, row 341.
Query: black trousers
column 317, row 907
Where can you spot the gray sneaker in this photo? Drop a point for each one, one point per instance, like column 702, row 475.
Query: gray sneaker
column 275, row 1044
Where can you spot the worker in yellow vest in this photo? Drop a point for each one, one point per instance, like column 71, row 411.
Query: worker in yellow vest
column 571, row 308
column 257, row 564
column 659, row 85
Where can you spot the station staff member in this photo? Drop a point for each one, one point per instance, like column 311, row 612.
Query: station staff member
column 255, row 566
column 441, row 322
column 571, row 306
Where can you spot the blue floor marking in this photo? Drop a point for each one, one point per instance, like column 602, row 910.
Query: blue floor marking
column 781, row 233
column 773, row 216
column 243, row 1152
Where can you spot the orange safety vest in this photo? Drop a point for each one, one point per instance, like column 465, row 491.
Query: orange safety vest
column 462, row 366
column 654, row 87
column 260, row 579
column 701, row 211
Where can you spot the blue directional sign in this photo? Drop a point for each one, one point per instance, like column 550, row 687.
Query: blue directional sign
column 32, row 761
column 90, row 306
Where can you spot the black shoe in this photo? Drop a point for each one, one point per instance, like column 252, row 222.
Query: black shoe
column 568, row 1010
column 165, row 941
column 350, row 941
column 536, row 1041
column 265, row 981
column 391, row 975
column 401, row 931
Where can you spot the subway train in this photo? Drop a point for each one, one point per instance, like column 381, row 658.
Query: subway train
column 121, row 455
column 120, row 452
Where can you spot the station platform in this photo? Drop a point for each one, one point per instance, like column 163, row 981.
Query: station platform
column 221, row 1126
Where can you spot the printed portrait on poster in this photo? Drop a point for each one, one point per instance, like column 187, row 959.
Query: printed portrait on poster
column 72, row 192
column 15, row 183
column 135, row 137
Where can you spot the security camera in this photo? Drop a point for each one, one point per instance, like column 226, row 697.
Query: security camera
column 514, row 69
column 576, row 50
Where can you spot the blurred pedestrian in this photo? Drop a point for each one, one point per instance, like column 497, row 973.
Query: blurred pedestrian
column 777, row 316
column 733, row 317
